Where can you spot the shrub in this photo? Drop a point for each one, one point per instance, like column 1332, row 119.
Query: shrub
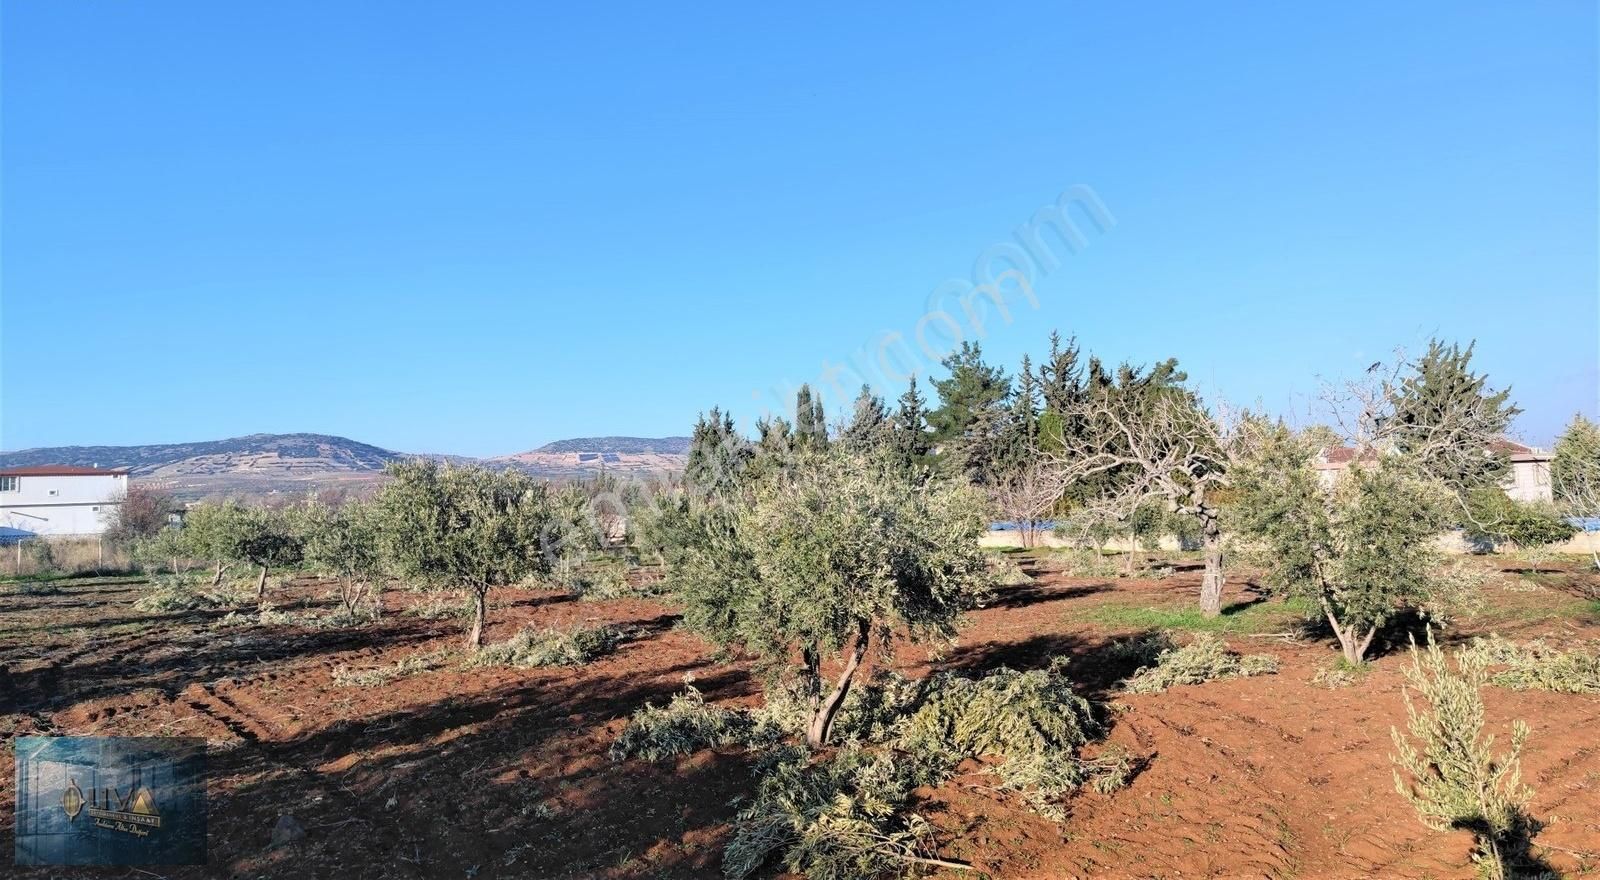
column 142, row 513
column 842, row 818
column 1083, row 562
column 1538, row 666
column 550, row 647
column 1496, row 518
column 1362, row 551
column 1031, row 719
column 1455, row 779
column 468, row 529
column 685, row 724
column 40, row 554
column 342, row 543
column 166, row 601
column 1207, row 658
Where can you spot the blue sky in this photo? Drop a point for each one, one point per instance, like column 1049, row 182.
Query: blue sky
column 478, row 229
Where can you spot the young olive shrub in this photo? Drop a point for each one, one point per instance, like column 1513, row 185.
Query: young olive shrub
column 1447, row 767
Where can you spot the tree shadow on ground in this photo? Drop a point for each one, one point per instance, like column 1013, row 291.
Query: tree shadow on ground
column 1095, row 665
column 124, row 665
column 1034, row 594
column 510, row 782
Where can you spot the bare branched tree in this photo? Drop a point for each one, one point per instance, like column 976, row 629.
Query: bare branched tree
column 1161, row 448
column 1025, row 497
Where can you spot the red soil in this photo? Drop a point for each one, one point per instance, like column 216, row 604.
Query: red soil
column 503, row 773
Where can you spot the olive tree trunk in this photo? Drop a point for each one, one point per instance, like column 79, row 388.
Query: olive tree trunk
column 480, row 612
column 216, row 579
column 822, row 722
column 1211, row 582
column 261, row 583
column 1352, row 643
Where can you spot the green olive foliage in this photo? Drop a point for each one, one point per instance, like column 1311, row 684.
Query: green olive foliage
column 834, row 552
column 342, row 542
column 468, row 528
column 233, row 533
column 1447, row 767
column 1362, row 550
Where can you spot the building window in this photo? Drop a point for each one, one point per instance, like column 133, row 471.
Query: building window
column 9, row 484
column 54, row 492
column 94, row 510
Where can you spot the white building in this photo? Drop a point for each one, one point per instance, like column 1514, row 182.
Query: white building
column 54, row 500
column 1529, row 479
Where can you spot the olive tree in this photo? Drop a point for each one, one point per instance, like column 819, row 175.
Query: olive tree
column 464, row 528
column 342, row 542
column 232, row 533
column 1362, row 550
column 209, row 533
column 826, row 559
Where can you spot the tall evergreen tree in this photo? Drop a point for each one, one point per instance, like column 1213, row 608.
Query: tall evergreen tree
column 870, row 426
column 1019, row 437
column 1061, row 375
column 911, row 428
column 810, row 423
column 718, row 455
column 1445, row 417
column 968, row 424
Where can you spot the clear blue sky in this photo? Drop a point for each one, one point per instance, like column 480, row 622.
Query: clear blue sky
column 478, row 228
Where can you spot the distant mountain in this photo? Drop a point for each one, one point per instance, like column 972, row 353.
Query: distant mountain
column 583, row 456
column 288, row 452
column 630, row 445
column 269, row 463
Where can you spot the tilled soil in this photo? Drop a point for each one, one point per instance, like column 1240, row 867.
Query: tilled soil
column 496, row 772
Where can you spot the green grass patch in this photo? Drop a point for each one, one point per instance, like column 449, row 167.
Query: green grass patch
column 1243, row 617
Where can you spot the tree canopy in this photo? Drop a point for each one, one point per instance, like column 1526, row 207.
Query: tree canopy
column 829, row 557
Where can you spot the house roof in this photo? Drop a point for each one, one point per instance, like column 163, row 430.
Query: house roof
column 1340, row 457
column 61, row 470
column 1518, row 452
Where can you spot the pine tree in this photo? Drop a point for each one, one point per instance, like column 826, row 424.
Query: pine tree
column 1575, row 477
column 803, row 414
column 1445, row 416
column 969, row 423
column 870, row 427
column 1061, row 377
column 1019, row 437
column 911, row 428
column 718, row 456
